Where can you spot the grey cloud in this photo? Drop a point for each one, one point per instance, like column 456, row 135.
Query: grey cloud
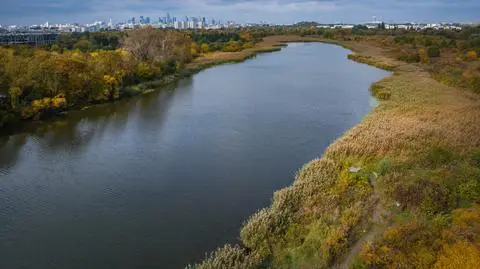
column 282, row 11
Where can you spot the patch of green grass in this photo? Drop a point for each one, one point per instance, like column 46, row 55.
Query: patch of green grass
column 438, row 156
column 476, row 158
column 380, row 92
column 384, row 166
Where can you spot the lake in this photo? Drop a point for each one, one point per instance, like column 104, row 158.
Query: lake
column 159, row 180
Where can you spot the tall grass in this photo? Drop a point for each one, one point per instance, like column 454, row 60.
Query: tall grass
column 418, row 155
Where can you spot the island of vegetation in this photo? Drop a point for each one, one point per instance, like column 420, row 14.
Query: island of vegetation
column 399, row 190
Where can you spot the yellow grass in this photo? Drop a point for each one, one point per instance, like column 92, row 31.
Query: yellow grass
column 314, row 222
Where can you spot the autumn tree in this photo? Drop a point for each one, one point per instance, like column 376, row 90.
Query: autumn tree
column 461, row 255
column 472, row 55
column 205, row 48
column 194, row 49
column 149, row 44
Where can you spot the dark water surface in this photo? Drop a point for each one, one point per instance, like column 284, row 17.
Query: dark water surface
column 157, row 181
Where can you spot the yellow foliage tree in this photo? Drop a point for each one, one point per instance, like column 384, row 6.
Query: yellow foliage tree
column 461, row 255
column 246, row 37
column 14, row 93
column 194, row 49
column 205, row 48
column 423, row 56
column 472, row 55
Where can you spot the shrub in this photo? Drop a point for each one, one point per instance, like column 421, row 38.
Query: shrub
column 384, row 95
column 384, row 166
column 433, row 52
column 229, row 257
column 438, row 156
column 409, row 57
column 423, row 55
column 205, row 48
column 380, row 92
column 428, row 42
column 376, row 88
column 472, row 55
column 409, row 245
column 476, row 158
column 461, row 255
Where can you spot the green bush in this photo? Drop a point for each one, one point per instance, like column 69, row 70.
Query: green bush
column 438, row 156
column 384, row 166
column 384, row 95
column 433, row 52
column 476, row 158
column 380, row 92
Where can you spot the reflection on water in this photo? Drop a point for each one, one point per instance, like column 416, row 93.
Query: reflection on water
column 158, row 180
column 73, row 133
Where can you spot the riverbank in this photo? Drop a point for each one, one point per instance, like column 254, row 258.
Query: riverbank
column 8, row 121
column 403, row 183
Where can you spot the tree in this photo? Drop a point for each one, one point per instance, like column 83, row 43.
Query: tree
column 14, row 94
column 4, row 77
column 461, row 255
column 194, row 49
column 44, row 73
column 472, row 55
column 423, row 54
column 83, row 45
column 433, row 51
column 149, row 44
column 232, row 46
column 205, row 48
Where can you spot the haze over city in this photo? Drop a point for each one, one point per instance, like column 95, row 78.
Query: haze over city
column 242, row 11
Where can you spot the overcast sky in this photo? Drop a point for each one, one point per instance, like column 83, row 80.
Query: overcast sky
column 275, row 11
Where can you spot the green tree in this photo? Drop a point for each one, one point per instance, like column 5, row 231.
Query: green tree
column 433, row 51
column 83, row 45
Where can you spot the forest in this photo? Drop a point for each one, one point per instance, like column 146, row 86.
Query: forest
column 91, row 68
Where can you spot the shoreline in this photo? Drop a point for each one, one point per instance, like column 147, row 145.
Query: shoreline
column 349, row 195
column 199, row 64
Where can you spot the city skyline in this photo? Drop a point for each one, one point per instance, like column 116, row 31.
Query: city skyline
column 275, row 11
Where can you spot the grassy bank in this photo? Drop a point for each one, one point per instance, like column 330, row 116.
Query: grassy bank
column 217, row 58
column 398, row 190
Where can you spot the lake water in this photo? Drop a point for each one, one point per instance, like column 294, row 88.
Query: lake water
column 159, row 180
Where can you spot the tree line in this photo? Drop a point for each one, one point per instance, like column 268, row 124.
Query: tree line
column 35, row 80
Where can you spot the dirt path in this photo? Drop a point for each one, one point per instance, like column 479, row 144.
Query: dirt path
column 377, row 228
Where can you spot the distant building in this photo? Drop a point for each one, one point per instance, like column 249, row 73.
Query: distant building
column 32, row 38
